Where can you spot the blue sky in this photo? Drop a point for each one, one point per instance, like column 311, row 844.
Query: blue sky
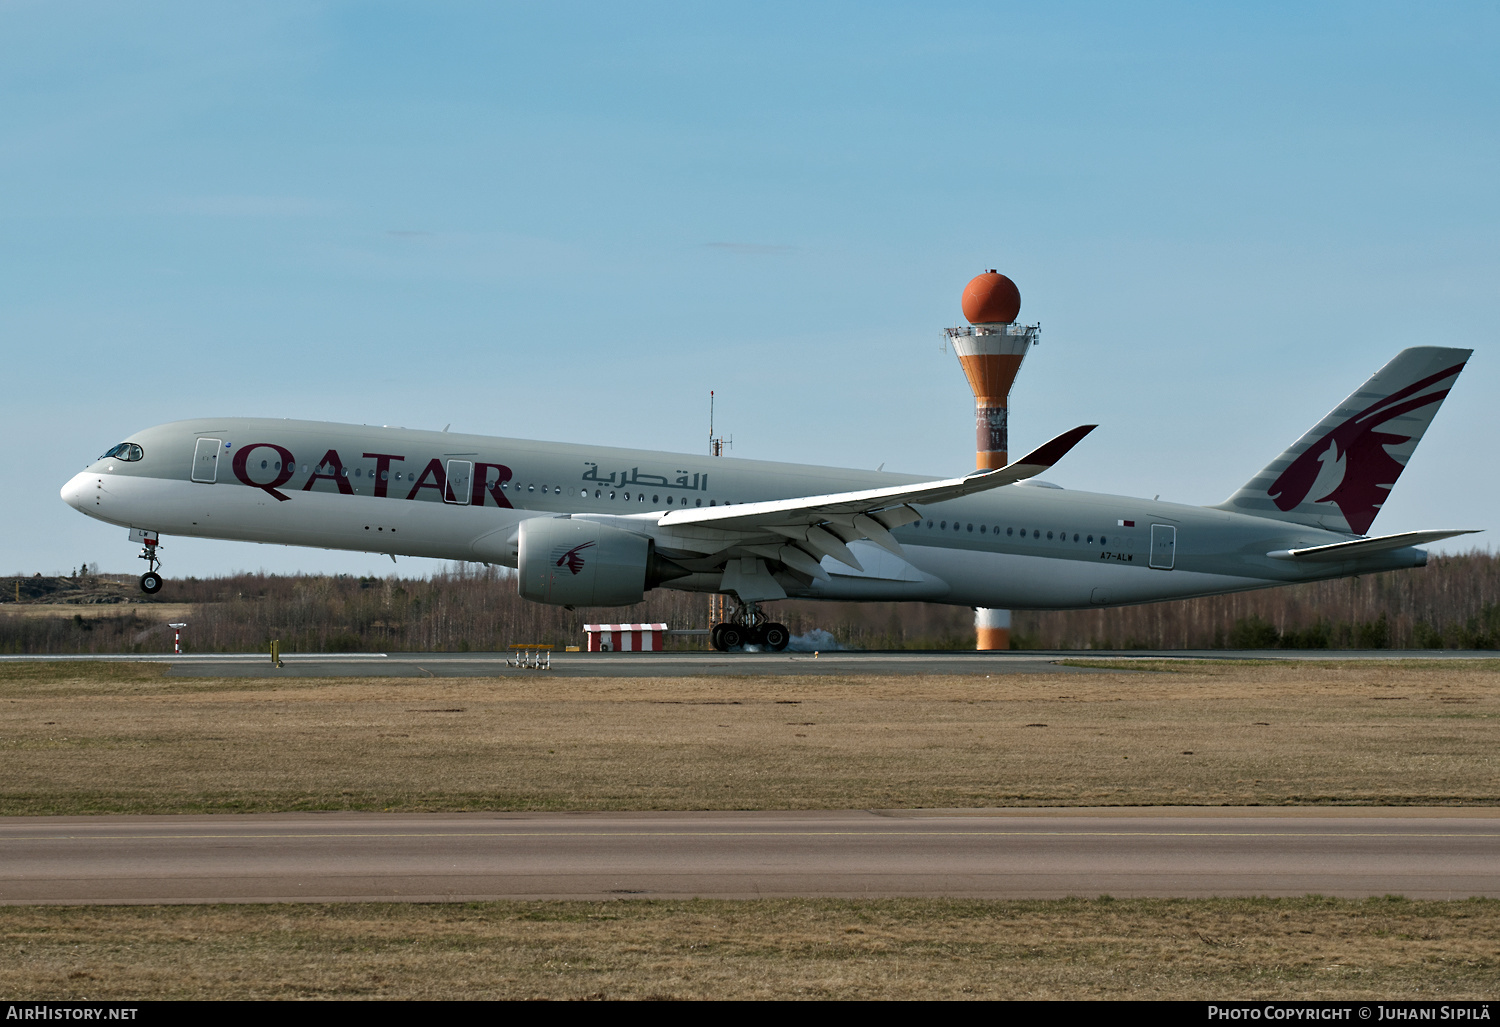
column 570, row 221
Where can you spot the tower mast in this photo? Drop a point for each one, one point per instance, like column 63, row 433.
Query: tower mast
column 990, row 349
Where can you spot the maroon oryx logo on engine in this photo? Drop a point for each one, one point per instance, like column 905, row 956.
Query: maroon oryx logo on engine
column 573, row 558
column 1351, row 462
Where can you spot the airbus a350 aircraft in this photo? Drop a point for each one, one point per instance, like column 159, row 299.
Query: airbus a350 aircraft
column 600, row 526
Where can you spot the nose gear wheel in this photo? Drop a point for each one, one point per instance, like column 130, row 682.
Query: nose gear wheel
column 151, row 581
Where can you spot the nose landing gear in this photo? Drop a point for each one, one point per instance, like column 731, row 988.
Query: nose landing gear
column 748, row 626
column 151, row 581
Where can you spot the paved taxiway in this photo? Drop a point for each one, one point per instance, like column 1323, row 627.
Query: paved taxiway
column 685, row 664
column 1421, row 853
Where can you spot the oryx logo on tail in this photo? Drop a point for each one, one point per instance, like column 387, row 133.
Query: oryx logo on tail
column 1355, row 470
column 572, row 558
column 1337, row 475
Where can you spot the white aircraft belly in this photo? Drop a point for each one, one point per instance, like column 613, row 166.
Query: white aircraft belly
column 319, row 519
column 1017, row 582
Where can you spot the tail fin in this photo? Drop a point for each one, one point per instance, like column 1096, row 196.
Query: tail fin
column 1338, row 474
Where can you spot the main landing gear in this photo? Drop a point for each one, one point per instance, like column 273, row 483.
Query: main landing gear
column 151, row 580
column 748, row 626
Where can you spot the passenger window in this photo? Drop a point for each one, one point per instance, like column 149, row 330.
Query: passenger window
column 944, row 525
column 971, row 527
column 656, row 499
column 700, row 502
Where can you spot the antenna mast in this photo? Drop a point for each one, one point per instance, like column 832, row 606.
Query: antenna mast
column 715, row 444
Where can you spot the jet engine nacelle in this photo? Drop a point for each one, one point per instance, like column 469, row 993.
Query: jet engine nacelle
column 573, row 562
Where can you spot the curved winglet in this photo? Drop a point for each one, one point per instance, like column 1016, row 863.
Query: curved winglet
column 1050, row 452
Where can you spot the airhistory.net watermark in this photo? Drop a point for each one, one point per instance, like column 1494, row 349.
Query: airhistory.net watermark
column 67, row 1011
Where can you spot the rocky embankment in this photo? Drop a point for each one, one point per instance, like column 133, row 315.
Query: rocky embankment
column 92, row 590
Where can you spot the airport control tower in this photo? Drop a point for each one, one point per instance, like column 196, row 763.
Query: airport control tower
column 990, row 348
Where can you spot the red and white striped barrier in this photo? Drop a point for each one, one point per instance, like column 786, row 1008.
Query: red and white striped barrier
column 625, row 638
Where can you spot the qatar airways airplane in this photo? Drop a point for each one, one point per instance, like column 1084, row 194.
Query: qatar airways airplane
column 600, row 526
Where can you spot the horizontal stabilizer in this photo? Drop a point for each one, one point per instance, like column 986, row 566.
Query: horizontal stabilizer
column 1365, row 546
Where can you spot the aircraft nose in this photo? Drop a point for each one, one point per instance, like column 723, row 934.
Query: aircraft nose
column 75, row 492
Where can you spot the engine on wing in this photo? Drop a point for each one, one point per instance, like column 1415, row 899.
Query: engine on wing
column 571, row 562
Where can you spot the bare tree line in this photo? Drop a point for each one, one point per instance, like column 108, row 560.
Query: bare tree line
column 1452, row 603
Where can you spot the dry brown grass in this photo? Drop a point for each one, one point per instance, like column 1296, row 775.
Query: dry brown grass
column 122, row 738
column 93, row 611
column 897, row 949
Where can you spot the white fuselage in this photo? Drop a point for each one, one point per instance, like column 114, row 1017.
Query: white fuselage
column 1020, row 547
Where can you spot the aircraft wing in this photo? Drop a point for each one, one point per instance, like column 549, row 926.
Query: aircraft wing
column 817, row 526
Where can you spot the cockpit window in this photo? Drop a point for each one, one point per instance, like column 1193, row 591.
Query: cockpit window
column 126, row 452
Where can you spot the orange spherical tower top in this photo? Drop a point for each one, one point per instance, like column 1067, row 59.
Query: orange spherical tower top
column 991, row 298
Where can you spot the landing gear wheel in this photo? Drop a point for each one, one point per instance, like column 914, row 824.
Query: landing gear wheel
column 716, row 638
column 731, row 636
column 151, row 583
column 775, row 637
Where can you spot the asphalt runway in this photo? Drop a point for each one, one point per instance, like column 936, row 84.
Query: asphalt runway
column 1003, row 854
column 699, row 663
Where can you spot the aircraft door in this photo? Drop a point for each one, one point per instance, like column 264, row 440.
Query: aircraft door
column 206, row 460
column 460, row 475
column 1163, row 546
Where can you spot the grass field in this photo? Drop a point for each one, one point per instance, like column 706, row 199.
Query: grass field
column 81, row 738
column 94, row 611
column 93, row 738
column 900, row 949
